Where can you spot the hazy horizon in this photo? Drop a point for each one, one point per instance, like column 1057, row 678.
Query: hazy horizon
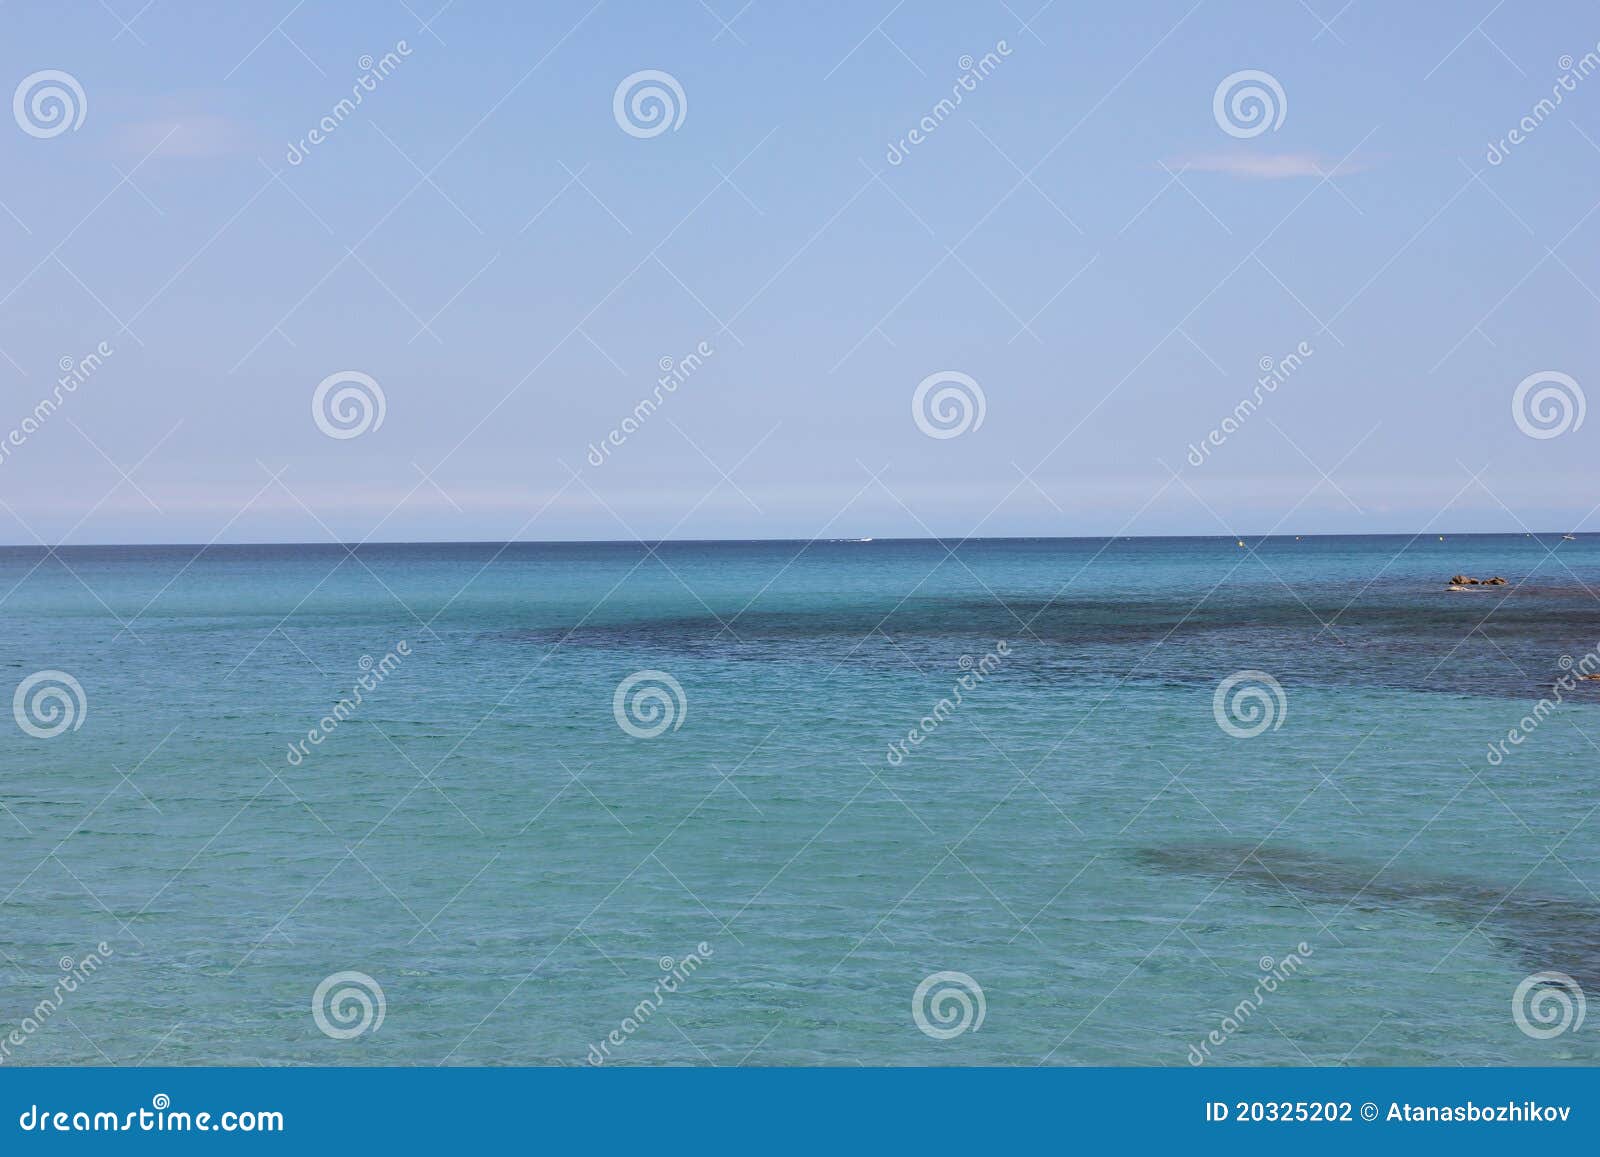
column 841, row 539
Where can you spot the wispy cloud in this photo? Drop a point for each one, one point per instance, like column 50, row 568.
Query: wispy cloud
column 191, row 135
column 1266, row 166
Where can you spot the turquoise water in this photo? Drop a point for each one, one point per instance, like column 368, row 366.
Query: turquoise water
column 1078, row 835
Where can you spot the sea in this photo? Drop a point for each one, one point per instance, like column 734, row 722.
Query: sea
column 1131, row 801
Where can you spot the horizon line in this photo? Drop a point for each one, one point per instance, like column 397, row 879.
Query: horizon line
column 860, row 540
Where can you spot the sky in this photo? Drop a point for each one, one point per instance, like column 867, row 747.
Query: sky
column 1088, row 260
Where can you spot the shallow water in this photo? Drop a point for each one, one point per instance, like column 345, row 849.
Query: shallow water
column 1079, row 835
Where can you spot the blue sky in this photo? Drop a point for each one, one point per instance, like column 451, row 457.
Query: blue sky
column 1080, row 237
